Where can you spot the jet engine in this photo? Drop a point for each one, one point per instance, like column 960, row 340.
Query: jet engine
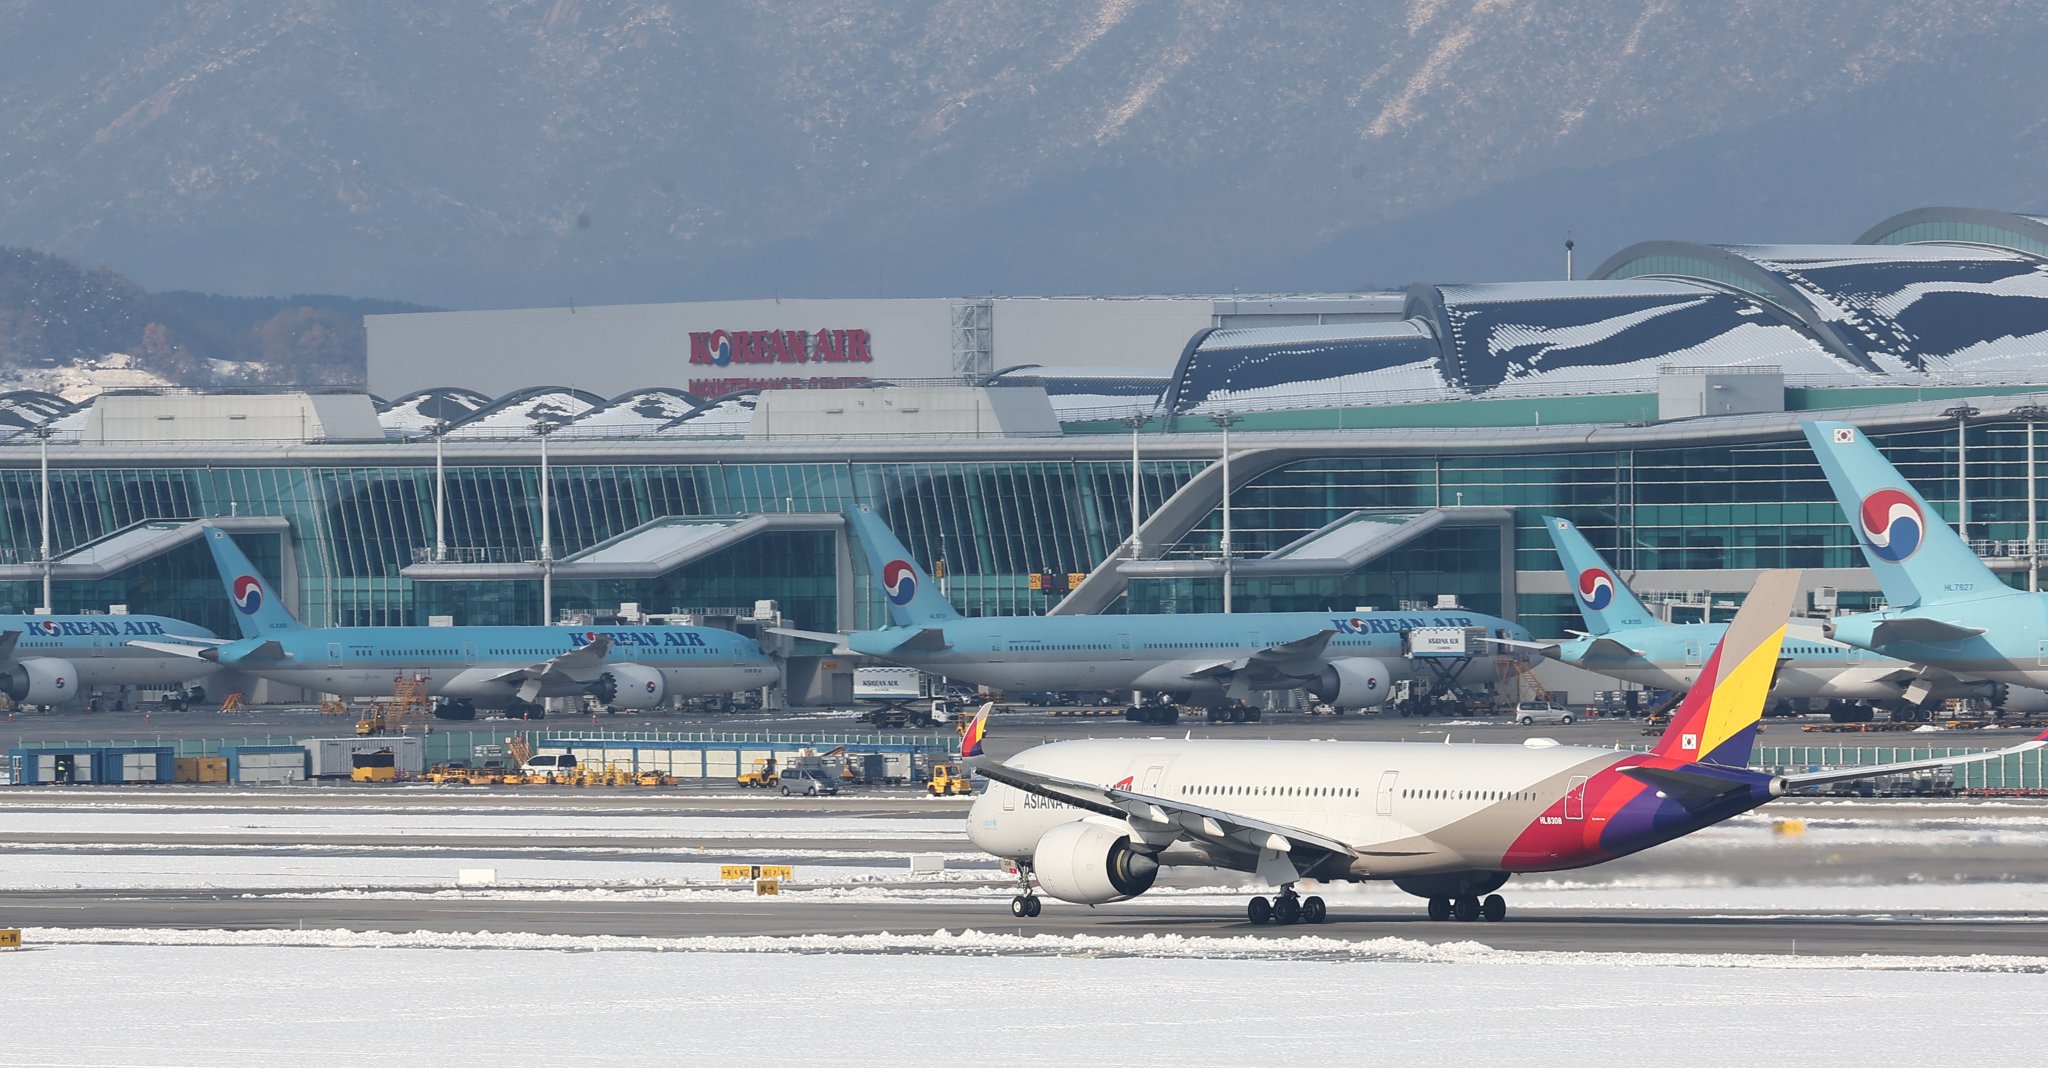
column 1090, row 864
column 1356, row 682
column 630, row 686
column 42, row 680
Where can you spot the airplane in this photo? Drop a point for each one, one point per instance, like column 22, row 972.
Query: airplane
column 1624, row 640
column 59, row 660
column 1948, row 610
column 1347, row 659
column 1093, row 821
column 471, row 667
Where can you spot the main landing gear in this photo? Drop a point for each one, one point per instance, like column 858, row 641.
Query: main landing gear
column 1466, row 909
column 1286, row 908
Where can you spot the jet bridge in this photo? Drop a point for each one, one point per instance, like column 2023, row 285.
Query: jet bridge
column 106, row 557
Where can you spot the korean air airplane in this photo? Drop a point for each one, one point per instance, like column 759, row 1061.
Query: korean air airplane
column 59, row 660
column 1093, row 822
column 1210, row 659
column 1948, row 610
column 1623, row 640
column 473, row 667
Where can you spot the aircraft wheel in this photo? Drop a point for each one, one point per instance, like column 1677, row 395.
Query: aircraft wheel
column 1494, row 909
column 1466, row 909
column 1287, row 910
column 1172, row 715
column 1258, row 911
column 1439, row 909
column 1031, row 906
column 1314, row 911
column 1020, row 906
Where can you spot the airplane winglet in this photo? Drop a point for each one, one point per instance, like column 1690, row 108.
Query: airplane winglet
column 971, row 738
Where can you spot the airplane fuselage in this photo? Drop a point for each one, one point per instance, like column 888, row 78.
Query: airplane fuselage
column 467, row 662
column 97, row 649
column 1168, row 653
column 1671, row 657
column 2013, row 647
column 1408, row 812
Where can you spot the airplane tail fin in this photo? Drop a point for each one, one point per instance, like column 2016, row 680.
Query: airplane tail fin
column 258, row 611
column 1716, row 722
column 1604, row 600
column 1918, row 558
column 913, row 598
column 971, row 738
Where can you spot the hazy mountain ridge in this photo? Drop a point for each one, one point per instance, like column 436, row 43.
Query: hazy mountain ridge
column 523, row 150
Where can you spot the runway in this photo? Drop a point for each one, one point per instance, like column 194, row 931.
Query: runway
column 1827, row 934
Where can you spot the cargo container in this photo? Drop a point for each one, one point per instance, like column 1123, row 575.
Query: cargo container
column 200, row 769
column 265, row 763
column 134, row 764
column 46, row 767
column 333, row 758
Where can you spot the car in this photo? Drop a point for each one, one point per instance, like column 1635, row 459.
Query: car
column 550, row 764
column 807, row 781
column 1529, row 713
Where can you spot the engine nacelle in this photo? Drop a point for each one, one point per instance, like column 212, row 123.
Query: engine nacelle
column 42, row 680
column 1090, row 864
column 630, row 686
column 1355, row 682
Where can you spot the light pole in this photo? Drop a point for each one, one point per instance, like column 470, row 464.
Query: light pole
column 1961, row 413
column 547, row 543
column 1224, row 419
column 440, row 431
column 42, row 433
column 1568, row 259
column 1136, row 423
column 2033, row 414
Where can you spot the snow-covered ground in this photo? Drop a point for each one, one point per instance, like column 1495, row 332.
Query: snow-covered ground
column 213, row 998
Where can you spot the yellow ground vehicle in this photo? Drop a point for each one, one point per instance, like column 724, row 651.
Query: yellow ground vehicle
column 762, row 775
column 380, row 766
column 950, row 780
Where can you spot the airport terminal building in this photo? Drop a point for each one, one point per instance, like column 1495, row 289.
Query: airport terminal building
column 1385, row 449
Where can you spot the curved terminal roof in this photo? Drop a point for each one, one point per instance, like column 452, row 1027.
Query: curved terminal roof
column 1277, row 367
column 417, row 413
column 1974, row 226
column 24, row 408
column 635, row 414
column 1896, row 309
column 515, row 414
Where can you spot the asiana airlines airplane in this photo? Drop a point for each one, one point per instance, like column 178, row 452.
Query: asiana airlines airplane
column 1094, row 821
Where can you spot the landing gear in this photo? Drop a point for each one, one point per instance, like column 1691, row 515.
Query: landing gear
column 1286, row 908
column 1161, row 714
column 1024, row 906
column 1233, row 713
column 450, row 708
column 1466, row 909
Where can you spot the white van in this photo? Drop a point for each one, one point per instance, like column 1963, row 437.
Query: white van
column 549, row 764
column 808, row 781
column 1530, row 713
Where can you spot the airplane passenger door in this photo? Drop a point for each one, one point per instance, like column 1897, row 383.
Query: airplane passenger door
column 2041, row 656
column 1152, row 775
column 1386, row 796
column 1575, row 798
column 1123, row 646
column 1692, row 654
column 334, row 652
column 469, row 651
column 996, row 648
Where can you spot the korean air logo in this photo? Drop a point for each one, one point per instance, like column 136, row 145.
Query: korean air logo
column 1596, row 588
column 248, row 594
column 721, row 348
column 1893, row 527
column 49, row 627
column 899, row 581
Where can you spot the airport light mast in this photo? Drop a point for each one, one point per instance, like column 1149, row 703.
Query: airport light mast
column 1224, row 420
column 1136, row 422
column 1961, row 413
column 440, row 431
column 547, row 544
column 42, row 432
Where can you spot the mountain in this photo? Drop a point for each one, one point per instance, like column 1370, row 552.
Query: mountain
column 519, row 151
column 61, row 322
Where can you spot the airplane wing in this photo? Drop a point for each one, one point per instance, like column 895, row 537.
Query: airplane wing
column 579, row 665
column 1916, row 629
column 7, row 640
column 837, row 641
column 1151, row 815
column 1548, row 649
column 1818, row 778
column 193, row 652
column 1687, row 784
column 1284, row 658
column 1610, row 647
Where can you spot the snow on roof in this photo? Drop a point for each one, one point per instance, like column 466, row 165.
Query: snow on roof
column 417, row 412
column 516, row 414
column 1273, row 368
column 640, row 412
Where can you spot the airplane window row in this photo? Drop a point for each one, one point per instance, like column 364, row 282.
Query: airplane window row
column 1269, row 791
column 1470, row 795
